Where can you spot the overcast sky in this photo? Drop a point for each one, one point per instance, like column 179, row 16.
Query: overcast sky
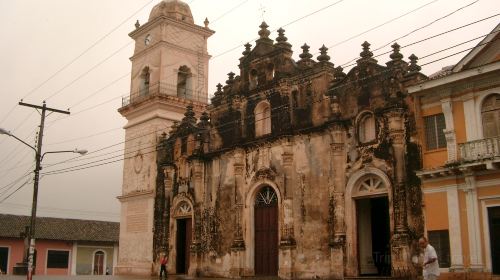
column 41, row 47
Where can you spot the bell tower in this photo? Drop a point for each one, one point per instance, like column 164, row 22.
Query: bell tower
column 169, row 72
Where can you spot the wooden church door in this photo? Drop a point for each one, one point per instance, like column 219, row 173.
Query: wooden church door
column 266, row 232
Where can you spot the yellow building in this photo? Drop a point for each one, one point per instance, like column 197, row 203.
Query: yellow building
column 457, row 115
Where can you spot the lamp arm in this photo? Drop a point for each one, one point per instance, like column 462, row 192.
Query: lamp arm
column 22, row 141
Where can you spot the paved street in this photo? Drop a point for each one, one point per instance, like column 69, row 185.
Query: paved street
column 99, row 277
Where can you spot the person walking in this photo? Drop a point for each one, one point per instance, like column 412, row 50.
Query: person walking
column 431, row 264
column 163, row 265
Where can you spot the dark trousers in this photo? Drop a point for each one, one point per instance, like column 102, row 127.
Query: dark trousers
column 163, row 269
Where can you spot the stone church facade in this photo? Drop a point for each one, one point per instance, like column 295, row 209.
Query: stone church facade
column 296, row 169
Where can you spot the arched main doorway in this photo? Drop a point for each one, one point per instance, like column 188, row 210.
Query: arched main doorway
column 373, row 226
column 266, row 232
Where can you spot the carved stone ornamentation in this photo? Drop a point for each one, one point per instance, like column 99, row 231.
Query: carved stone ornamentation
column 264, row 173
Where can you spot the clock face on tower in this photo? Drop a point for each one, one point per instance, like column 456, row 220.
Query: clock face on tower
column 147, row 40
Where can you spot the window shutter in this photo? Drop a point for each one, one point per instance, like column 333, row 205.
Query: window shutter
column 490, row 113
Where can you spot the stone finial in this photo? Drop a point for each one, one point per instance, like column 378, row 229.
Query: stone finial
column 414, row 67
column 323, row 57
column 366, row 53
column 264, row 33
column 230, row 80
column 248, row 47
column 219, row 89
column 206, row 22
column 137, row 24
column 305, row 52
column 204, row 117
column 339, row 73
column 174, row 127
column 189, row 115
column 282, row 39
column 396, row 55
column 281, row 36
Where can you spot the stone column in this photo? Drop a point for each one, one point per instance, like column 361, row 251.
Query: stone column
column 337, row 202
column 473, row 223
column 449, row 131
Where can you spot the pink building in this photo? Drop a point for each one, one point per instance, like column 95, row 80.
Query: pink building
column 63, row 246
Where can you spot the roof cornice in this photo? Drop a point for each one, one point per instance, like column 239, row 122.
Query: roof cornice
column 454, row 77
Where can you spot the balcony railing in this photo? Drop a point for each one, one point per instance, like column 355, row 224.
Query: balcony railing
column 164, row 89
column 483, row 149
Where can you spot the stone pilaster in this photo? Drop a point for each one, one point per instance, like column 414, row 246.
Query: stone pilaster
column 287, row 157
column 198, row 169
column 238, row 248
column 457, row 263
column 400, row 248
column 473, row 222
column 337, row 209
column 238, row 243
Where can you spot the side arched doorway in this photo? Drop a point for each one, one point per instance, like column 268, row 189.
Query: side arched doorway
column 183, row 219
column 369, row 221
column 266, row 232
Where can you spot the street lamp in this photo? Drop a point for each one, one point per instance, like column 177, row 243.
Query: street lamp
column 38, row 157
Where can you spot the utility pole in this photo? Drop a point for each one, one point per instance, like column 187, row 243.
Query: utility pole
column 38, row 167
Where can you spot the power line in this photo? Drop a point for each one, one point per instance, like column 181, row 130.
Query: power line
column 289, row 23
column 303, row 17
column 382, row 24
column 275, row 108
column 427, row 25
column 89, row 165
column 438, row 34
column 17, row 180
column 75, row 59
column 24, row 184
column 88, row 71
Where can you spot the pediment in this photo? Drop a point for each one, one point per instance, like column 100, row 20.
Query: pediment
column 485, row 52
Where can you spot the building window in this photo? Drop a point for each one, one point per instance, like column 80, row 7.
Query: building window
column 490, row 115
column 262, row 119
column 184, row 82
column 144, row 81
column 440, row 240
column 57, row 259
column 4, row 257
column 253, row 79
column 434, row 135
column 366, row 128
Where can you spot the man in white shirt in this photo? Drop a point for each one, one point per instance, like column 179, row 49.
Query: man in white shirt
column 431, row 265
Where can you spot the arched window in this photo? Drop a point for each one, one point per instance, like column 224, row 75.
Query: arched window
column 144, row 82
column 184, row 87
column 490, row 114
column 262, row 114
column 370, row 185
column 253, row 79
column 366, row 128
column 266, row 197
